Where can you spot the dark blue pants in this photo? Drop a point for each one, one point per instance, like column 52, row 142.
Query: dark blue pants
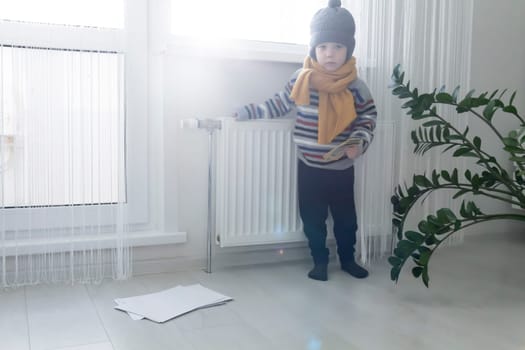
column 321, row 190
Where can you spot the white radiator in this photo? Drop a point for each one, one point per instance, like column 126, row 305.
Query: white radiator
column 256, row 186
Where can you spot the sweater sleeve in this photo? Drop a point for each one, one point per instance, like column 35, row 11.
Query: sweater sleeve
column 363, row 126
column 279, row 105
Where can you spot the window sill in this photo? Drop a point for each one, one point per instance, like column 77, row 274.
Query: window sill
column 237, row 49
column 133, row 239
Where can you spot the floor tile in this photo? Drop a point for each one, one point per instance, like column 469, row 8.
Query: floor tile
column 97, row 346
column 62, row 316
column 475, row 301
column 13, row 319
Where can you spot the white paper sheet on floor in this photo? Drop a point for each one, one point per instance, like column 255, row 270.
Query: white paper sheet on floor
column 170, row 303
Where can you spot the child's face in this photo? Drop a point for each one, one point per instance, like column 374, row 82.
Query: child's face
column 330, row 56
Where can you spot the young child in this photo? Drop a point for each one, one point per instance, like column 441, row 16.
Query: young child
column 332, row 105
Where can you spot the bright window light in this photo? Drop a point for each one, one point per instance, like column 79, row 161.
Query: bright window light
column 90, row 13
column 269, row 20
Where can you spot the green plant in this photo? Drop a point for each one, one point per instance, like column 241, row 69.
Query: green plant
column 491, row 180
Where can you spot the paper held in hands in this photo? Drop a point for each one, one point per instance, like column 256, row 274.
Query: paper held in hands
column 338, row 151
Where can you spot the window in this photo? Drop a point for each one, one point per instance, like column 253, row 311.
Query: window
column 271, row 30
column 93, row 13
column 270, row 20
column 61, row 108
column 67, row 108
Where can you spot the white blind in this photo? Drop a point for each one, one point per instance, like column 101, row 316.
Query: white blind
column 62, row 113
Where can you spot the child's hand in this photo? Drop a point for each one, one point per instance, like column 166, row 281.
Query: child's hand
column 240, row 114
column 353, row 152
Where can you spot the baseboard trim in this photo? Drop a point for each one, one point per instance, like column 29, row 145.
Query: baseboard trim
column 223, row 258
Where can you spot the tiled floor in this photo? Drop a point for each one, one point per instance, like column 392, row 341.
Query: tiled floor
column 476, row 301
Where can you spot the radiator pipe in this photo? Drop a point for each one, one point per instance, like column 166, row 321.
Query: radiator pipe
column 209, row 240
column 210, row 125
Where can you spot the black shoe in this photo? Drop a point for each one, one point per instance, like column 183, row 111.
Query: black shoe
column 319, row 272
column 354, row 270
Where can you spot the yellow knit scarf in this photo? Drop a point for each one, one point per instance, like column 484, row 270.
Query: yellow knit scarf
column 336, row 102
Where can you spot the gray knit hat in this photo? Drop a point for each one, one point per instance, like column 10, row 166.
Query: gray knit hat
column 332, row 24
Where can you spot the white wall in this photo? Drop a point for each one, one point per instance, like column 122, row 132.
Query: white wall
column 202, row 87
column 214, row 87
column 498, row 62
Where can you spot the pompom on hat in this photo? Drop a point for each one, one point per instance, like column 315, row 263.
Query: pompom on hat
column 332, row 24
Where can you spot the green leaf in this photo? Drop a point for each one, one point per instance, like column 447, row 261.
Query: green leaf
column 512, row 98
column 398, row 90
column 394, row 273
column 406, row 202
column 460, row 193
column 407, row 246
column 489, row 110
column 431, row 240
column 472, row 208
column 395, row 261
column 510, row 109
column 511, row 141
column 454, row 176
column 425, row 277
column 445, row 215
column 513, row 149
column 455, row 137
column 477, row 142
column 434, row 220
column 424, row 227
column 409, row 103
column 405, row 94
column 435, row 178
column 396, row 223
column 463, row 210
column 425, row 257
column 462, row 108
column 433, row 123
column 422, row 181
column 404, row 249
column 416, row 271
column 413, row 191
column 443, row 97
column 415, row 237
column 493, row 94
column 438, row 129
column 422, row 249
column 461, row 151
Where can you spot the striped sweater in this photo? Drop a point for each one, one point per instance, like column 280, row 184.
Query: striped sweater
column 306, row 122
